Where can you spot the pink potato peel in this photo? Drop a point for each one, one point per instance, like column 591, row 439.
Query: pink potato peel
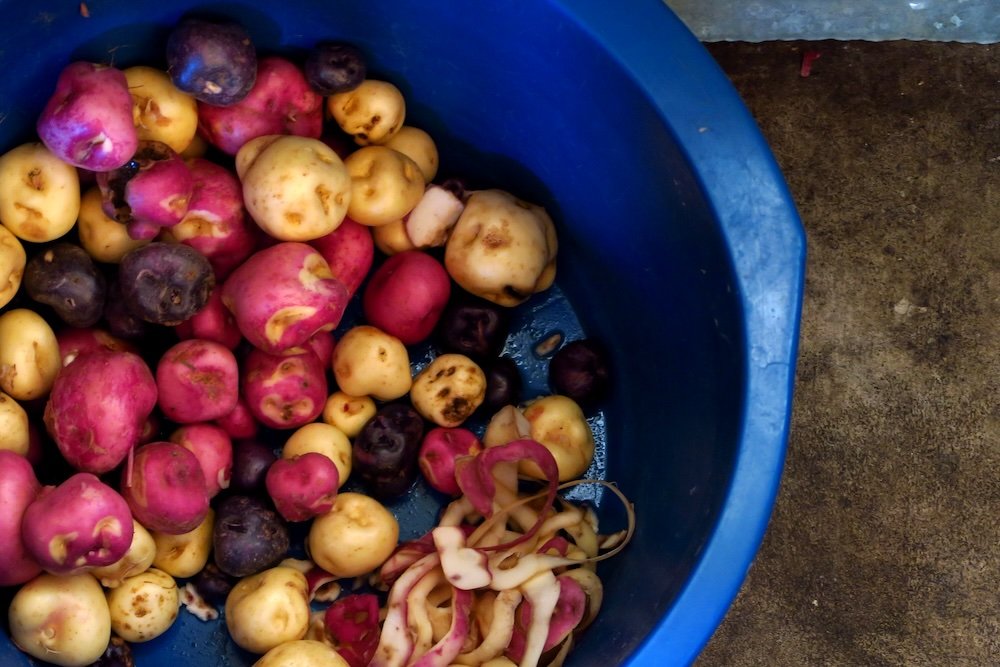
column 18, row 489
column 88, row 120
column 98, row 408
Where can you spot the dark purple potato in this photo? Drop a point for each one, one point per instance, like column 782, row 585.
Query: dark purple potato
column 213, row 62
column 65, row 277
column 165, row 283
column 334, row 67
column 248, row 537
column 118, row 654
column 503, row 384
column 580, row 370
column 120, row 321
column 386, row 450
column 472, row 326
column 251, row 460
column 213, row 584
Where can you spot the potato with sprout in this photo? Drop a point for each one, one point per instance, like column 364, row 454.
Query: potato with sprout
column 502, row 248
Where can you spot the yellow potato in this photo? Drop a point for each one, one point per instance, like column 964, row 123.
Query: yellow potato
column 160, row 110
column 392, row 238
column 186, row 554
column 417, row 145
column 373, row 112
column 12, row 261
column 39, row 193
column 356, row 536
column 348, row 413
column 448, row 390
column 105, row 239
column 144, row 606
column 369, row 362
column 267, row 609
column 559, row 424
column 14, row 433
column 29, row 355
column 302, row 653
column 136, row 560
column 322, row 438
column 385, row 185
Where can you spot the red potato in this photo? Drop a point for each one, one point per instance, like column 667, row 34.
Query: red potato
column 322, row 344
column 166, row 490
column 216, row 223
column 350, row 251
column 406, row 296
column 284, row 392
column 197, row 381
column 302, row 487
column 438, row 451
column 280, row 102
column 98, row 408
column 77, row 526
column 213, row 322
column 88, row 120
column 283, row 295
column 213, row 448
column 18, row 489
column 76, row 342
column 240, row 424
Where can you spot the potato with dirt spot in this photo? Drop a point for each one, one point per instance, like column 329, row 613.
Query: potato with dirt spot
column 448, row 390
column 268, row 609
column 385, row 185
column 39, row 193
column 502, row 248
column 160, row 110
column 296, row 188
column 12, row 262
column 144, row 606
column 29, row 355
column 558, row 423
column 354, row 537
column 348, row 413
column 369, row 362
column 372, row 113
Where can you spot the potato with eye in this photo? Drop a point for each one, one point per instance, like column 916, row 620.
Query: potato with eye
column 185, row 555
column 348, row 413
column 105, row 239
column 417, row 145
column 356, row 536
column 267, row 609
column 559, row 424
column 136, row 560
column 369, row 362
column 502, row 249
column 12, row 261
column 144, row 606
column 321, row 438
column 296, row 188
column 372, row 113
column 160, row 110
column 29, row 355
column 448, row 390
column 385, row 185
column 39, row 193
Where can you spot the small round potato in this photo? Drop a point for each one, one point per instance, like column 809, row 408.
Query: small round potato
column 369, row 362
column 62, row 620
column 559, row 424
column 29, row 355
column 321, row 438
column 348, row 413
column 417, row 145
column 136, row 560
column 356, row 536
column 12, row 261
column 144, row 606
column 14, row 433
column 105, row 239
column 502, row 249
column 448, row 390
column 296, row 189
column 392, row 238
column 160, row 110
column 385, row 185
column 39, row 193
column 267, row 609
column 302, row 653
column 186, row 554
column 372, row 113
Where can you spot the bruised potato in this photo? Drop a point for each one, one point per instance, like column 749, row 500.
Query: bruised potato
column 369, row 362
column 136, row 560
column 372, row 113
column 29, row 355
column 160, row 110
column 302, row 653
column 321, row 438
column 144, row 606
column 448, row 390
column 558, row 423
column 39, row 193
column 104, row 238
column 296, row 188
column 185, row 555
column 356, row 536
column 267, row 609
column 385, row 185
column 12, row 261
column 417, row 145
column 502, row 249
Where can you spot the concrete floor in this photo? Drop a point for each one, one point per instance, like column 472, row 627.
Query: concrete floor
column 884, row 547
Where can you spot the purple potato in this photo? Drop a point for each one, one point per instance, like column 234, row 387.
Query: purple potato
column 473, row 326
column 121, row 322
column 251, row 461
column 581, row 371
column 165, row 283
column 386, row 450
column 248, row 536
column 213, row 62
column 334, row 67
column 118, row 654
column 503, row 385
column 65, row 277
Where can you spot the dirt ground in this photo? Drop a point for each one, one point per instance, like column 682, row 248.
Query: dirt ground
column 884, row 547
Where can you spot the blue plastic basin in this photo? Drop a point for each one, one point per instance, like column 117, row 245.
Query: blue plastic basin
column 679, row 246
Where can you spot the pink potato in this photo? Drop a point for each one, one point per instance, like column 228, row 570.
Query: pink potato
column 18, row 489
column 350, row 251
column 280, row 102
column 302, row 487
column 286, row 391
column 81, row 524
column 216, row 224
column 166, row 489
column 76, row 342
column 213, row 322
column 240, row 424
column 213, row 448
column 406, row 295
column 197, row 380
column 88, row 120
column 98, row 408
column 322, row 344
column 283, row 295
column 438, row 451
